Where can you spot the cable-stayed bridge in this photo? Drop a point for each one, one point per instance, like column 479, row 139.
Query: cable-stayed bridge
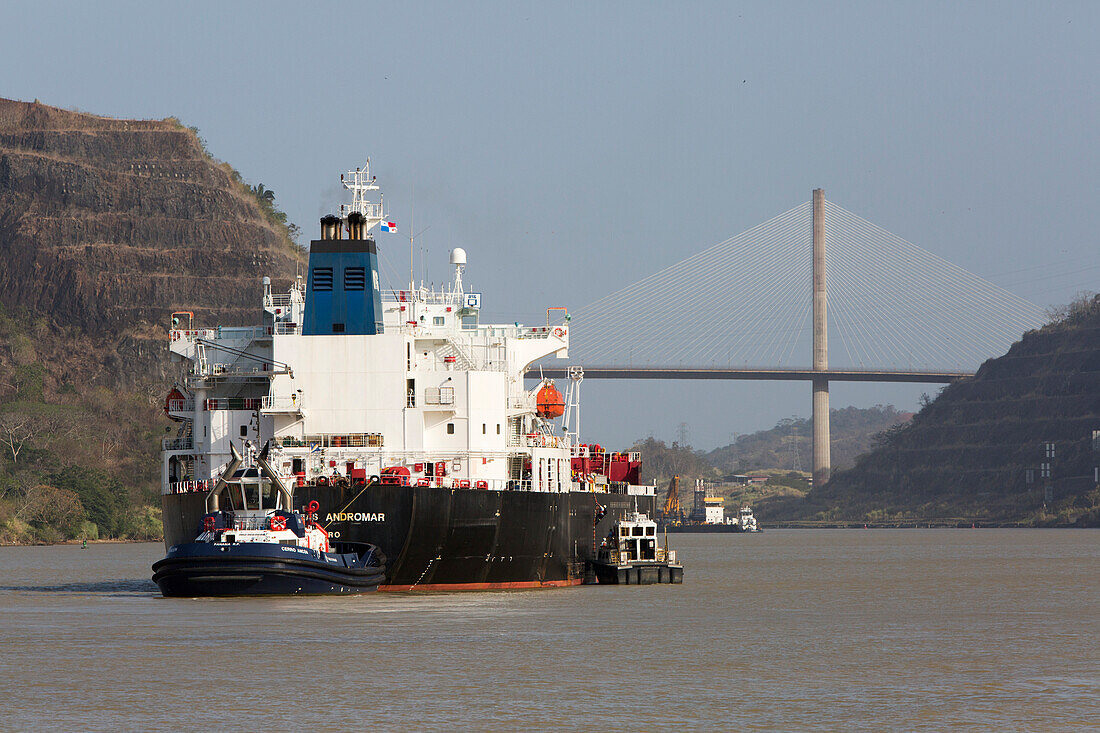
column 769, row 302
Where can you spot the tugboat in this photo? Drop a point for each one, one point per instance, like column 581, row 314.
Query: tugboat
column 630, row 555
column 746, row 521
column 251, row 542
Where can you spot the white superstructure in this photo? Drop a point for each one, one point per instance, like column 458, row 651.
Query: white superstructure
column 437, row 398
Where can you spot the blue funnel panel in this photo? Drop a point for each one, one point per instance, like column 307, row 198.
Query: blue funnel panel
column 342, row 294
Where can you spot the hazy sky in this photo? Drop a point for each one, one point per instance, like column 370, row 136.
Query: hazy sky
column 574, row 148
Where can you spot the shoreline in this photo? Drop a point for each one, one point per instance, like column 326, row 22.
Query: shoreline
column 80, row 542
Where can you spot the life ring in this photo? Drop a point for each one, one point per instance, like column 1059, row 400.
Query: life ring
column 278, row 523
column 559, row 332
column 322, row 481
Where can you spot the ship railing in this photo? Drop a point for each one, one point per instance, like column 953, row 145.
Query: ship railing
column 281, row 403
column 234, row 369
column 449, row 482
column 429, row 297
column 534, row 332
column 238, row 333
column 539, row 440
column 277, row 300
column 187, row 487
column 178, row 334
column 232, row 403
column 181, row 405
column 186, row 443
column 287, row 328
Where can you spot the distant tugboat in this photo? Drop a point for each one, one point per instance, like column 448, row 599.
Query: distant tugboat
column 259, row 545
column 630, row 555
column 746, row 521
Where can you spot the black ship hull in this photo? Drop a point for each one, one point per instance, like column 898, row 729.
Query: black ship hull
column 453, row 539
column 196, row 569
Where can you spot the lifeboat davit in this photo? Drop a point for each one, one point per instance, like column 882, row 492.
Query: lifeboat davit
column 549, row 401
column 174, row 396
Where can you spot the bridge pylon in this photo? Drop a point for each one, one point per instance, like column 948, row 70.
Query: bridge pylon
column 821, row 443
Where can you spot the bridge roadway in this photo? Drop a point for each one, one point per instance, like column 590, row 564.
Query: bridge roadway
column 832, row 375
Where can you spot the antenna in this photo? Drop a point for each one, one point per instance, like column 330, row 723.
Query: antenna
column 360, row 182
column 412, row 222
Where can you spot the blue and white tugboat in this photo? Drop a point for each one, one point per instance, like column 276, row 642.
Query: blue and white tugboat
column 252, row 542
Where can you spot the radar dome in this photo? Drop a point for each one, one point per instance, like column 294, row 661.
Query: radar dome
column 458, row 256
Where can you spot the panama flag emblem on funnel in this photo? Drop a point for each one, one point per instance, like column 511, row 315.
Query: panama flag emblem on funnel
column 389, row 226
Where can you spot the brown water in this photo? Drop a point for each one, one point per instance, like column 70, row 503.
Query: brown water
column 787, row 630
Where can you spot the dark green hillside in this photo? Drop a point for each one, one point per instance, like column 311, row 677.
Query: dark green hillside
column 788, row 445
column 968, row 453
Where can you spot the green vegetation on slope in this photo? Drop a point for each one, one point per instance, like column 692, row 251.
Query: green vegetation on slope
column 73, row 463
column 789, row 445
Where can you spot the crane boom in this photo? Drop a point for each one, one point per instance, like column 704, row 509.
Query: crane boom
column 672, row 511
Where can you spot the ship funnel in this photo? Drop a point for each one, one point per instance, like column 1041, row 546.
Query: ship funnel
column 330, row 227
column 356, row 226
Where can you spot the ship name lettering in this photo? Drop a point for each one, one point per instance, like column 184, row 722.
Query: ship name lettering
column 355, row 517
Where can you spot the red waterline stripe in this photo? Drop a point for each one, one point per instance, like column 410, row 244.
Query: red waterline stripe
column 485, row 586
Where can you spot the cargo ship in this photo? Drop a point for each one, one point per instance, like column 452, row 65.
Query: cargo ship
column 400, row 418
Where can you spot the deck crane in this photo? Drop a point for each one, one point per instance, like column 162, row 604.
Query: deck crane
column 672, row 514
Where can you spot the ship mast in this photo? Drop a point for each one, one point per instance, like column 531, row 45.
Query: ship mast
column 360, row 182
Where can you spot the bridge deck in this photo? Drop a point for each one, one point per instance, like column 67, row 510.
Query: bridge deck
column 833, row 375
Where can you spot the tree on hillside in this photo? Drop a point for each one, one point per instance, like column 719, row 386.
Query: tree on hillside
column 660, row 462
column 23, row 426
column 262, row 193
column 48, row 505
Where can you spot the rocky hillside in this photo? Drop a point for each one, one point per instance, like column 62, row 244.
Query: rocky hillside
column 107, row 226
column 969, row 452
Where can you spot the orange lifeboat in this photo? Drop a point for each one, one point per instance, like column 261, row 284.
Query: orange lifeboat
column 549, row 401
